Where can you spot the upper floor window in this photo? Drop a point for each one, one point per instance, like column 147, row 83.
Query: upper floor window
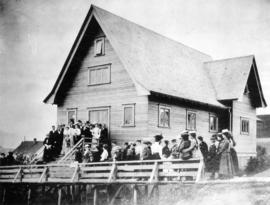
column 100, row 75
column 191, row 120
column 244, row 126
column 129, row 115
column 99, row 46
column 213, row 123
column 71, row 115
column 164, row 116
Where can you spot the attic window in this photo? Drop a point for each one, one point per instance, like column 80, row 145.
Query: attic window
column 99, row 75
column 99, row 46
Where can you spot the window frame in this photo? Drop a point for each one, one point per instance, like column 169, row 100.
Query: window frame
column 159, row 118
column 99, row 67
column 213, row 115
column 241, row 128
column 71, row 110
column 130, row 105
column 103, row 46
column 194, row 112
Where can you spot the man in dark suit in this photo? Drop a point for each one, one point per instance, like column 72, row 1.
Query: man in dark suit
column 59, row 140
column 53, row 141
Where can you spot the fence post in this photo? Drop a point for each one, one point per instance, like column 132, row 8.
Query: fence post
column 113, row 173
column 154, row 174
column 200, row 170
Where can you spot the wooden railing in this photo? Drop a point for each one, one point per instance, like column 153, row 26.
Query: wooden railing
column 141, row 172
column 38, row 155
column 71, row 152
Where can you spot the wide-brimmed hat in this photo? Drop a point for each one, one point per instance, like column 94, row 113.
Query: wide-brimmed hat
column 192, row 132
column 225, row 131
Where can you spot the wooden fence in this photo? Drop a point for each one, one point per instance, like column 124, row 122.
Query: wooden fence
column 147, row 172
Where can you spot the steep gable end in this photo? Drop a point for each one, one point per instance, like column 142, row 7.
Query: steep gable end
column 153, row 62
column 230, row 77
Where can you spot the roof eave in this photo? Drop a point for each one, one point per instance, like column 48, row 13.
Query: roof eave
column 221, row 106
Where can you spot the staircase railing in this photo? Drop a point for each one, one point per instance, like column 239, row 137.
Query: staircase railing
column 72, row 151
column 38, row 155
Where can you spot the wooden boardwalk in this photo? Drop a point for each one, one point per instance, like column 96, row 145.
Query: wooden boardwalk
column 120, row 174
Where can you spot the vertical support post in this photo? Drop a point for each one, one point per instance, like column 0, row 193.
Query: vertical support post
column 71, row 193
column 59, row 195
column 135, row 195
column 29, row 196
column 200, row 171
column 4, row 196
column 95, row 198
column 156, row 194
column 87, row 192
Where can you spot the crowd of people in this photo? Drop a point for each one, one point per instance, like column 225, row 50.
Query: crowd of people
column 15, row 159
column 61, row 140
column 219, row 156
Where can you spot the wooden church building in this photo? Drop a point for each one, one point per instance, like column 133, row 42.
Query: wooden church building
column 140, row 83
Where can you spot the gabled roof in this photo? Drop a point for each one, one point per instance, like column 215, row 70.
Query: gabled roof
column 153, row 62
column 230, row 76
column 28, row 147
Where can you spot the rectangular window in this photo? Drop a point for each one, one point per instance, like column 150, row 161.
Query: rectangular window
column 164, row 116
column 71, row 114
column 129, row 115
column 99, row 46
column 191, row 120
column 100, row 75
column 244, row 126
column 213, row 123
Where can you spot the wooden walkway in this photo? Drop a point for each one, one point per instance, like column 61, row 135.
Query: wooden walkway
column 132, row 173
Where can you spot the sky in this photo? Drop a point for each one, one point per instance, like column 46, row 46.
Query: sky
column 36, row 36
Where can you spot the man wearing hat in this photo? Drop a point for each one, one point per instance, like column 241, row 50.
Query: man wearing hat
column 156, row 148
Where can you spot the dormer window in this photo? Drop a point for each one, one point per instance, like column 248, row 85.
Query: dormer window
column 99, row 46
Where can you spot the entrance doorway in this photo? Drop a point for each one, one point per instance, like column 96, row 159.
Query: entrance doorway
column 100, row 115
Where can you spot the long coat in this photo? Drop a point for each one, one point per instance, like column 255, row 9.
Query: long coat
column 212, row 164
column 226, row 165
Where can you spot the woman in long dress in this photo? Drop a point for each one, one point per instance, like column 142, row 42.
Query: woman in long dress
column 66, row 141
column 226, row 169
column 232, row 150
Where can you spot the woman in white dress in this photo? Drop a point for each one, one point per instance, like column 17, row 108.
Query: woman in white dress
column 66, row 141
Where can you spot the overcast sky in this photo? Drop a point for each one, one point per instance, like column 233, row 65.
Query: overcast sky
column 36, row 36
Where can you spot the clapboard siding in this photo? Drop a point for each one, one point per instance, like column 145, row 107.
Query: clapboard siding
column 177, row 121
column 120, row 91
column 243, row 108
